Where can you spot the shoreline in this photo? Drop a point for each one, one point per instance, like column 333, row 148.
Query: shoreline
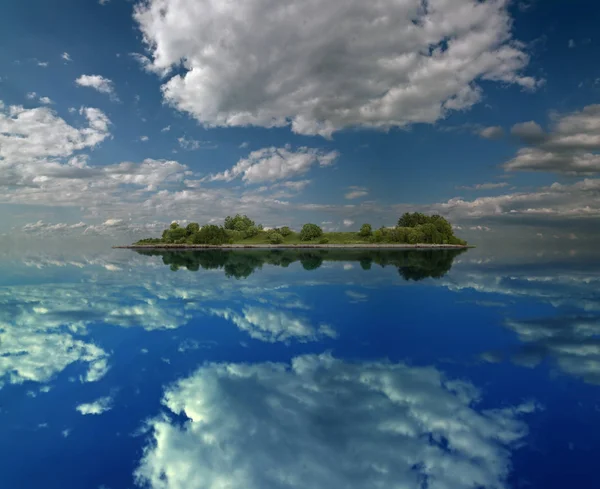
column 167, row 246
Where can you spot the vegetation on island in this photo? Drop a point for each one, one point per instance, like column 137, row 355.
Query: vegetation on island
column 411, row 228
column 411, row 264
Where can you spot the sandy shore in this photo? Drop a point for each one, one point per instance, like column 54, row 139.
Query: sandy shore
column 293, row 246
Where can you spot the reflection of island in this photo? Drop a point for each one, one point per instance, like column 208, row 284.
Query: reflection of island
column 412, row 265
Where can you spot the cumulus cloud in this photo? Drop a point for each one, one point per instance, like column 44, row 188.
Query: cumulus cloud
column 166, row 129
column 348, row 222
column 272, row 164
column 356, row 192
column 386, row 64
column 274, row 326
column 66, row 56
column 144, row 138
column 570, row 146
column 345, row 425
column 493, row 132
column 99, row 406
column 97, row 82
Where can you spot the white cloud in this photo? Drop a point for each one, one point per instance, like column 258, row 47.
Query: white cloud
column 272, row 164
column 493, row 132
column 99, row 406
column 385, row 64
column 31, row 95
column 144, row 138
column 165, row 129
column 348, row 222
column 244, row 145
column 571, row 43
column 97, row 82
column 43, row 64
column 46, row 101
column 570, row 146
column 103, row 2
column 484, row 186
column 345, row 425
column 557, row 201
column 193, row 144
column 27, row 135
column 356, row 192
column 66, row 56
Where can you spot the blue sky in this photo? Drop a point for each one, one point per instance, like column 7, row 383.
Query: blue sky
column 120, row 116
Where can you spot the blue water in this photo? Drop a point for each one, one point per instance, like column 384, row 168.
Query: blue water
column 278, row 370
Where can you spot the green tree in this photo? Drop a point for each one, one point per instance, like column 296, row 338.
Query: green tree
column 285, row 231
column 238, row 222
column 211, row 235
column 310, row 231
column 174, row 225
column 275, row 238
column 192, row 227
column 365, row 231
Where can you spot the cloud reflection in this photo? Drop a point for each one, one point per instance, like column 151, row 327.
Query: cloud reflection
column 325, row 423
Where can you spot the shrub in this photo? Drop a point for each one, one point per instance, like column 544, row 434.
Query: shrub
column 275, row 238
column 210, row 234
column 285, row 231
column 310, row 231
column 235, row 235
column 251, row 231
column 324, row 241
column 365, row 231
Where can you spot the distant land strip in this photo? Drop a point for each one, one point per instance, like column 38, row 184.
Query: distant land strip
column 185, row 246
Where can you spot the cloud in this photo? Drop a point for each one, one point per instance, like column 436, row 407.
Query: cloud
column 46, row 101
column 66, row 56
column 193, row 145
column 165, row 129
column 99, row 406
column 43, row 64
column 27, row 135
column 493, row 132
column 144, row 138
column 570, row 146
column 555, row 202
column 348, row 222
column 99, row 83
column 272, row 164
column 350, row 425
column 571, row 43
column 484, row 186
column 386, row 64
column 273, row 326
column 40, row 227
column 103, row 2
column 31, row 95
column 356, row 192
column 245, row 144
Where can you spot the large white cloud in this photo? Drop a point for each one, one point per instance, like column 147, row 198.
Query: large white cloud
column 322, row 67
column 324, row 423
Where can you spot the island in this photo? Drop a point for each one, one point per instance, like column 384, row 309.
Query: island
column 413, row 230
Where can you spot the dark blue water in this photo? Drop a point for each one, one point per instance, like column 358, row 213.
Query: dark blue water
column 283, row 370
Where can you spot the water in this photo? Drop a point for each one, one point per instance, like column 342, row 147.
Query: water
column 261, row 369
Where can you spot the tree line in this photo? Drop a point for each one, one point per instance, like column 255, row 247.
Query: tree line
column 411, row 228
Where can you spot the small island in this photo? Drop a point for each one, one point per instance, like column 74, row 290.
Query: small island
column 413, row 230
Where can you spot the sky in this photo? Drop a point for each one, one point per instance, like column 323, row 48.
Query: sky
column 118, row 117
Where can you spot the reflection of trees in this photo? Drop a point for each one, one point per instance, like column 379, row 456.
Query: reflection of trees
column 411, row 264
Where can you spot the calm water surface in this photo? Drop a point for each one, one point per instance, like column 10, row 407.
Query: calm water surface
column 282, row 370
